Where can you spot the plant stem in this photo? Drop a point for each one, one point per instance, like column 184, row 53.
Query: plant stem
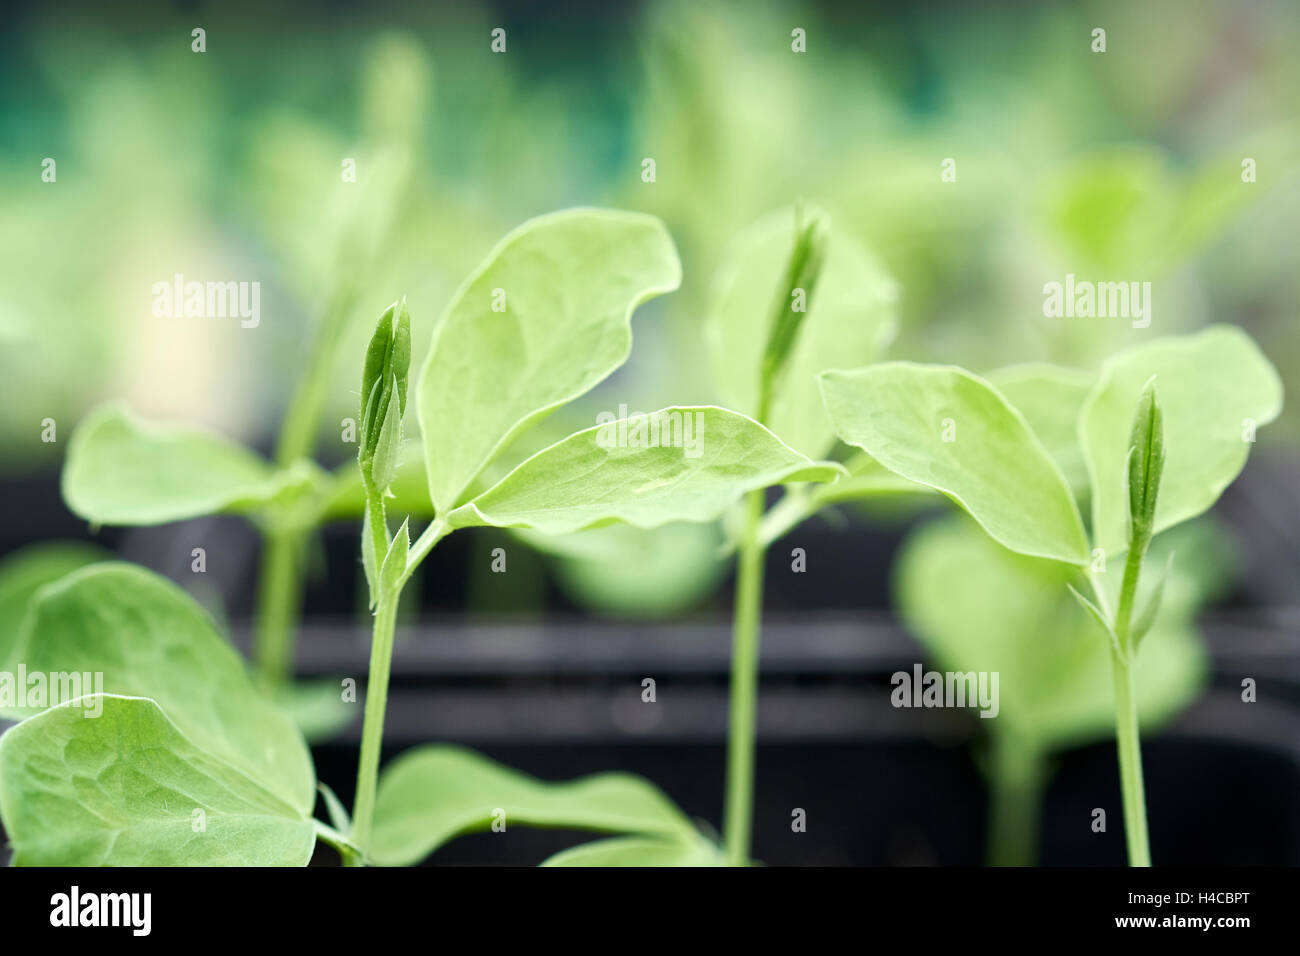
column 794, row 508
column 302, row 417
column 1127, row 739
column 372, row 732
column 337, row 840
column 381, row 665
column 1016, row 778
column 738, row 813
column 1130, row 766
column 279, row 587
column 278, row 590
column 434, row 532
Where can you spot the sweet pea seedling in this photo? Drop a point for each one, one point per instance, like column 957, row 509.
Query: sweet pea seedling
column 1165, row 429
column 830, row 302
column 980, row 608
column 213, row 772
column 583, row 481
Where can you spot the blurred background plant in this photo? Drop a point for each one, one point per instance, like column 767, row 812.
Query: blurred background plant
column 1118, row 166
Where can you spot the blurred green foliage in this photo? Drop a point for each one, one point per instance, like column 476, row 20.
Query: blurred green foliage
column 1122, row 166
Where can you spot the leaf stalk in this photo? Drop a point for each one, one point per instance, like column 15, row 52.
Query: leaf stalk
column 742, row 719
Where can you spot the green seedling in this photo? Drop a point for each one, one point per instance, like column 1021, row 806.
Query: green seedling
column 1164, row 430
column 208, row 771
column 829, row 302
column 978, row 607
column 783, row 309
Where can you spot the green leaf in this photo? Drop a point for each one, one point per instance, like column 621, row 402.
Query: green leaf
column 849, row 322
column 977, row 607
column 606, row 474
column 122, row 470
column 434, row 793
column 387, row 445
column 1146, row 462
column 316, row 707
column 150, row 639
column 1145, row 617
column 338, row 813
column 388, row 356
column 388, row 360
column 395, row 561
column 946, row 428
column 29, row 569
column 639, row 851
column 633, row 572
column 565, row 286
column 371, row 411
column 1097, row 615
column 130, row 788
column 369, row 558
column 1216, row 387
column 793, row 299
column 1050, row 396
column 867, row 478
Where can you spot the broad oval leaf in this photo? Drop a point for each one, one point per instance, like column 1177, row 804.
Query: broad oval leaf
column 25, row 572
column 122, row 470
column 639, row 851
column 150, row 639
column 1050, row 396
column 943, row 427
column 978, row 607
column 126, row 788
column 850, row 320
column 603, row 474
column 1215, row 388
column 431, row 794
column 564, row 287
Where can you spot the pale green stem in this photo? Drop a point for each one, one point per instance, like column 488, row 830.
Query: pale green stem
column 381, row 662
column 279, row 589
column 1127, row 739
column 1016, row 778
column 739, row 809
column 1130, row 766
column 378, row 525
column 794, row 508
column 278, row 598
column 434, row 532
column 372, row 731
column 347, row 851
column 302, row 417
